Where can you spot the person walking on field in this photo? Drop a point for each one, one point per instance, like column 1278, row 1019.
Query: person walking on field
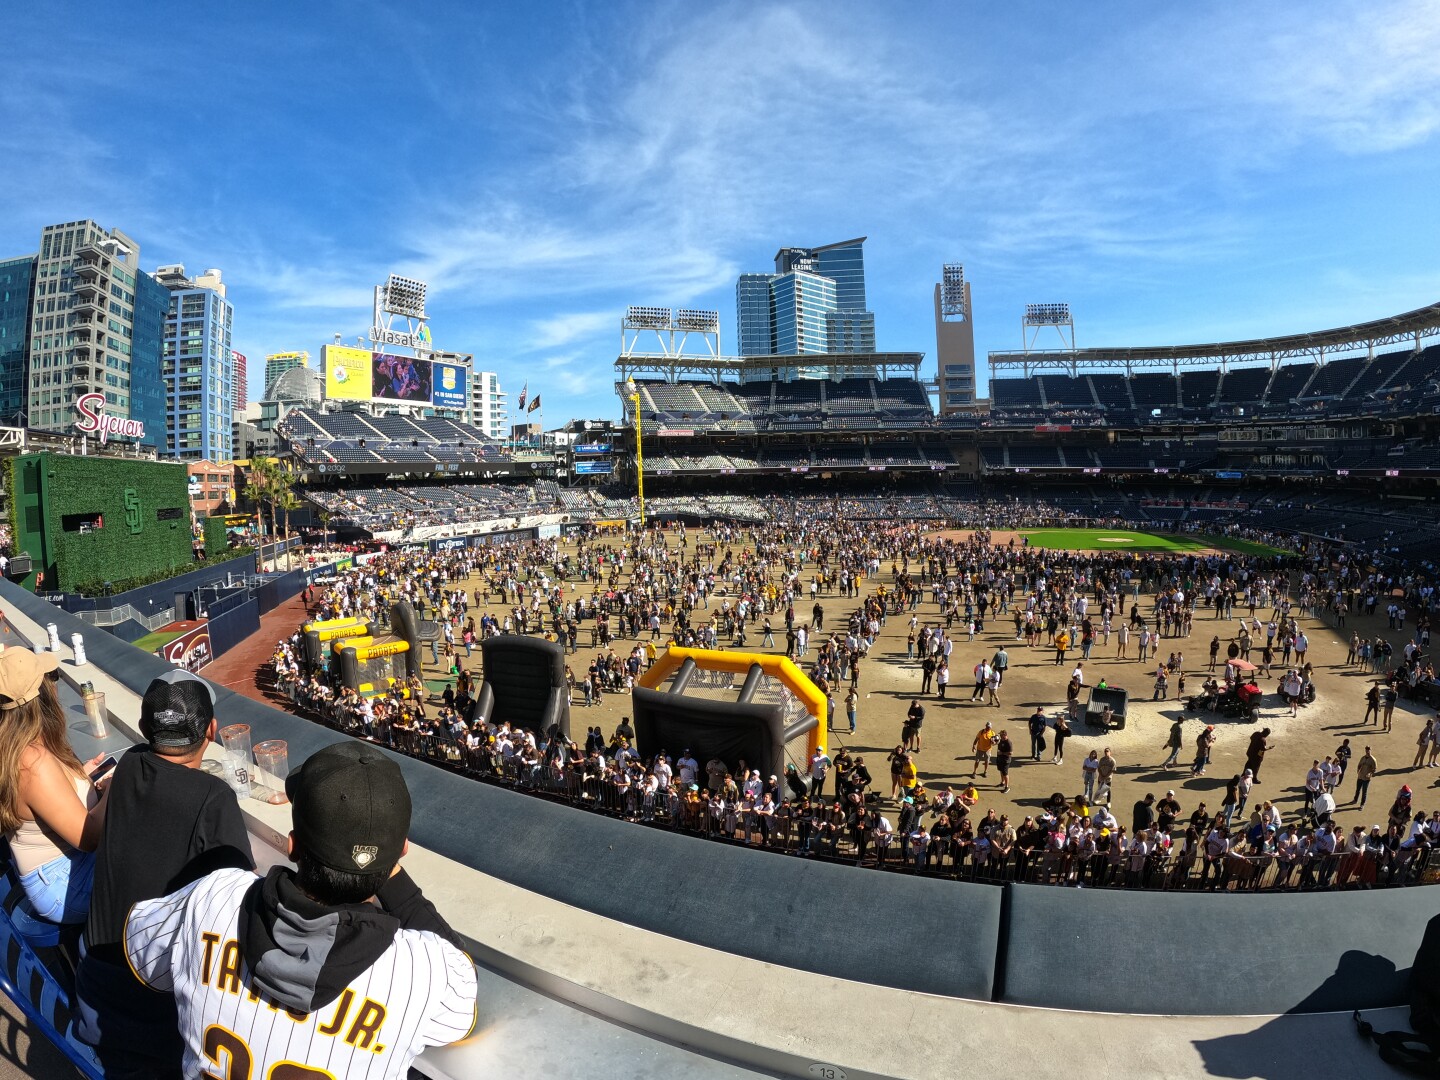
column 1174, row 745
column 984, row 740
column 1062, row 732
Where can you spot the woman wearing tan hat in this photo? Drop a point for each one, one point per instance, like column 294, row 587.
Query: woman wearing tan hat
column 50, row 812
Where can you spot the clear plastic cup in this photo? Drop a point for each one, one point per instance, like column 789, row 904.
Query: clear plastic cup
column 236, row 740
column 95, row 712
column 272, row 757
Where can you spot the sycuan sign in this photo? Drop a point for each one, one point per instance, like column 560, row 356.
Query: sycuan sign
column 94, row 420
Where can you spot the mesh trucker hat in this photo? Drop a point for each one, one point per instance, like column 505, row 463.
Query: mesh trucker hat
column 350, row 807
column 21, row 674
column 176, row 710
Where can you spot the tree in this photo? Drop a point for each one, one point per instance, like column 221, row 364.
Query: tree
column 325, row 518
column 261, row 488
column 287, row 501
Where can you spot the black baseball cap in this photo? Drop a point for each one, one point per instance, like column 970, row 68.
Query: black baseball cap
column 176, row 710
column 350, row 808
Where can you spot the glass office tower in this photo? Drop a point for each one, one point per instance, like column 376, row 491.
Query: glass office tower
column 17, row 280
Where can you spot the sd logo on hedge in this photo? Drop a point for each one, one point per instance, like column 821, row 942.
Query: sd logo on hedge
column 132, row 510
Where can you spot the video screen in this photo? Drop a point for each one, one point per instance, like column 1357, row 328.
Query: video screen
column 400, row 378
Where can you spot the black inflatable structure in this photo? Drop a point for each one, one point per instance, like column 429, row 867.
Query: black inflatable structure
column 524, row 684
column 714, row 728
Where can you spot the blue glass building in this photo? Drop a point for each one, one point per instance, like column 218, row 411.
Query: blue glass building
column 146, row 387
column 198, row 366
column 791, row 313
column 17, row 282
column 754, row 308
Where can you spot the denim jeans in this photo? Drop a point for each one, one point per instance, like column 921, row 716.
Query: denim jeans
column 59, row 891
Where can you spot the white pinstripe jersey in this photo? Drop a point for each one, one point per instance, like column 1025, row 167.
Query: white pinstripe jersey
column 420, row 992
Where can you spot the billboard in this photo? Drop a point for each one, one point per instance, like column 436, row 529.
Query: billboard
column 451, row 388
column 191, row 650
column 591, row 448
column 594, row 468
column 347, row 373
column 400, row 378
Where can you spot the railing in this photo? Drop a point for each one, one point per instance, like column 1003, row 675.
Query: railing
column 116, row 615
column 838, row 841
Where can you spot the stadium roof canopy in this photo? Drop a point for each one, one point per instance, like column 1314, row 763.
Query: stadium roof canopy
column 760, row 368
column 1320, row 346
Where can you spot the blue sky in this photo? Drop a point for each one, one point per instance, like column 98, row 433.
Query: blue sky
column 1176, row 173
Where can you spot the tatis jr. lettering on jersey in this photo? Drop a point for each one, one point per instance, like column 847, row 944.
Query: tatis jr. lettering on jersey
column 361, row 1023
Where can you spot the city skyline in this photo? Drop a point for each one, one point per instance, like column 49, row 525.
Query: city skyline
column 1175, row 176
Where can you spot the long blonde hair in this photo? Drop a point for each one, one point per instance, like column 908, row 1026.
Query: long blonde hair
column 40, row 720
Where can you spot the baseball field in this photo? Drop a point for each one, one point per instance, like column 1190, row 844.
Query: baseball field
column 1128, row 540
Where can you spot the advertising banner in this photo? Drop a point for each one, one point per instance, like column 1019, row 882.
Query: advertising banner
column 191, row 650
column 451, row 386
column 401, row 379
column 594, row 468
column 591, row 448
column 347, row 373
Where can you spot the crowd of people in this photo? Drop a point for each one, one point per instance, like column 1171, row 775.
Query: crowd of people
column 770, row 586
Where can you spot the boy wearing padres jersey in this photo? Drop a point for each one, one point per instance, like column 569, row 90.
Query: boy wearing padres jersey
column 340, row 968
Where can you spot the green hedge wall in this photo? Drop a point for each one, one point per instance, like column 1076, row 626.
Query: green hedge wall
column 217, row 539
column 133, row 545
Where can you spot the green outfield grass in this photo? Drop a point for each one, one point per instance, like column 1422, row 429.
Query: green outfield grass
column 151, row 642
column 1130, row 540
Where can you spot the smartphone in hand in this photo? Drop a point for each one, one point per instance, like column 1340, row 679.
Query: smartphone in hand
column 103, row 768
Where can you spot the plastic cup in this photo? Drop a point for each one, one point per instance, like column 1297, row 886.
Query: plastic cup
column 273, row 758
column 236, row 740
column 95, row 711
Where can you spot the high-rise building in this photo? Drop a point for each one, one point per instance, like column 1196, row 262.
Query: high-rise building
column 242, row 386
column 17, row 280
column 147, row 380
column 276, row 364
column 800, row 303
column 87, row 308
column 791, row 312
column 489, row 409
column 199, row 366
column 753, row 307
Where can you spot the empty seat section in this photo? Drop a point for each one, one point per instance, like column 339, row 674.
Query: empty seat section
column 1197, row 388
column 1153, row 391
column 1289, row 381
column 1014, row 393
column 1243, row 386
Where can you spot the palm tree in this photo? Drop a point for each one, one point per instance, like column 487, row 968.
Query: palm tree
column 287, row 501
column 261, row 487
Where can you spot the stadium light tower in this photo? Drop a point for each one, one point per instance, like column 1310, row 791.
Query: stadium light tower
column 1039, row 316
column 634, row 393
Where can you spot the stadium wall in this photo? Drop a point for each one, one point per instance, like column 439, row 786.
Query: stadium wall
column 1103, row 950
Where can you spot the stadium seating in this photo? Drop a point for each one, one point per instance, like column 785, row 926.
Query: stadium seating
column 318, row 437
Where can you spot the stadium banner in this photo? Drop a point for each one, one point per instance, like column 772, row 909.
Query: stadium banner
column 1162, row 472
column 401, row 379
column 676, row 433
column 1091, row 471
column 875, row 468
column 1054, row 427
column 1228, row 474
column 591, row 448
column 347, row 373
column 547, row 532
column 1392, row 472
column 451, row 386
column 191, row 650
column 1342, row 472
column 596, row 468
